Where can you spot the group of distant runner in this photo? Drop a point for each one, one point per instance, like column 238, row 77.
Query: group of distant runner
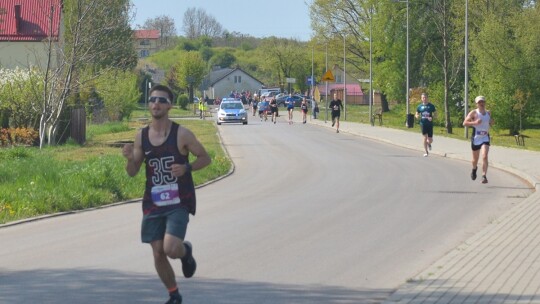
column 270, row 105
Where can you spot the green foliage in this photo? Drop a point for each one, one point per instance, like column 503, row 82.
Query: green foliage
column 99, row 33
column 182, row 101
column 190, row 69
column 94, row 130
column 166, row 59
column 223, row 58
column 20, row 95
column 119, row 92
column 506, row 69
column 206, row 53
column 73, row 177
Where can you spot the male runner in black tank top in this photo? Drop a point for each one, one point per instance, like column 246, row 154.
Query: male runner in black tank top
column 169, row 196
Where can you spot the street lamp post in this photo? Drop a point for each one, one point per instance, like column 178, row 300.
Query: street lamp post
column 190, row 80
column 326, row 99
column 344, row 80
column 466, row 86
column 370, row 68
column 148, row 85
column 408, row 93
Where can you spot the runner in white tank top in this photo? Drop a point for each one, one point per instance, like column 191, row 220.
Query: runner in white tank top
column 480, row 119
column 481, row 131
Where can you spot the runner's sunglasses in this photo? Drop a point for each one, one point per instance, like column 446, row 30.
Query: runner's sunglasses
column 159, row 99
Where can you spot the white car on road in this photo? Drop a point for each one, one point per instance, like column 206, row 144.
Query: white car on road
column 231, row 110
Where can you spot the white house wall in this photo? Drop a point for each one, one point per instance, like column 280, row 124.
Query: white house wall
column 24, row 54
column 223, row 87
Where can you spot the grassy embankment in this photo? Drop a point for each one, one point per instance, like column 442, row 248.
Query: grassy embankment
column 396, row 119
column 36, row 182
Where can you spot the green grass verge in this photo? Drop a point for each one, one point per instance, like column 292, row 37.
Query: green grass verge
column 396, row 119
column 36, row 182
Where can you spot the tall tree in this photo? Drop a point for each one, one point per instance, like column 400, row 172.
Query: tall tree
column 284, row 56
column 89, row 47
column 198, row 23
column 507, row 71
column 189, row 71
column 442, row 64
column 166, row 27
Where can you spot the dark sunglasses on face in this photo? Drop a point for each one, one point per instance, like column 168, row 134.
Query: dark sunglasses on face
column 159, row 99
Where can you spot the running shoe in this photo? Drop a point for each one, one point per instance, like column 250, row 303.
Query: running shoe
column 425, row 155
column 174, row 300
column 188, row 262
column 473, row 174
column 484, row 179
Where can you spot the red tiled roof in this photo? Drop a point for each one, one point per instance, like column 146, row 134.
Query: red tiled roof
column 352, row 88
column 29, row 20
column 147, row 34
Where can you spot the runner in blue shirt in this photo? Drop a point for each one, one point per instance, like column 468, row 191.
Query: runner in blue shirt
column 290, row 107
column 426, row 113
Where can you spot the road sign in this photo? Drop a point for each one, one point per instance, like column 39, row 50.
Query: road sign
column 328, row 76
column 290, row 80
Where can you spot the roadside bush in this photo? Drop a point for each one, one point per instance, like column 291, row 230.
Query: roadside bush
column 182, row 101
column 18, row 137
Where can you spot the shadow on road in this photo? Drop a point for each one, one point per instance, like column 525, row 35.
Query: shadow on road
column 106, row 286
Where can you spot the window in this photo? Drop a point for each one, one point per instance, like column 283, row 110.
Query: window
column 145, row 42
column 338, row 79
column 237, row 79
column 144, row 53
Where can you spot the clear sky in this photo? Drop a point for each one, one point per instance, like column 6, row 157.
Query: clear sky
column 257, row 18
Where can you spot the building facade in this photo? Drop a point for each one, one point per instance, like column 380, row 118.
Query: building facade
column 26, row 28
column 146, row 42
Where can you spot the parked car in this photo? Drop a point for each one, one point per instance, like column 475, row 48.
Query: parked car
column 297, row 100
column 231, row 110
column 269, row 94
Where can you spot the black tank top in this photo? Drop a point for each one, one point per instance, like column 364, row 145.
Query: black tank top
column 163, row 191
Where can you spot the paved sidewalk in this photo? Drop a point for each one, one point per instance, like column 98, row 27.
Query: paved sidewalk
column 501, row 263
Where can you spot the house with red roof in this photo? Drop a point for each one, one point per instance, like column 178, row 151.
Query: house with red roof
column 146, row 42
column 343, row 82
column 26, row 27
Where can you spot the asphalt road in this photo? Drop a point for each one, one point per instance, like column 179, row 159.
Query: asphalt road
column 308, row 216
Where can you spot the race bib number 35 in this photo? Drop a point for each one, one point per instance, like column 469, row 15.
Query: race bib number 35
column 165, row 195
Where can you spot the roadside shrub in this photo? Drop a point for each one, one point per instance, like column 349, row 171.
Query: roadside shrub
column 18, row 137
column 182, row 101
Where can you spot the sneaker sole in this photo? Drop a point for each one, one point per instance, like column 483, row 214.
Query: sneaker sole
column 188, row 273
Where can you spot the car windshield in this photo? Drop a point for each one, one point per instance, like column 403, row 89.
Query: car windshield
column 232, row 106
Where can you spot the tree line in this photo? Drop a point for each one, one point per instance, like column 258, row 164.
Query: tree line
column 97, row 65
column 502, row 58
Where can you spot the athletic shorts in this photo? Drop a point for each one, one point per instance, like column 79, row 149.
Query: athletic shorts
column 478, row 147
column 336, row 114
column 304, row 110
column 174, row 222
column 290, row 108
column 274, row 109
column 427, row 129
